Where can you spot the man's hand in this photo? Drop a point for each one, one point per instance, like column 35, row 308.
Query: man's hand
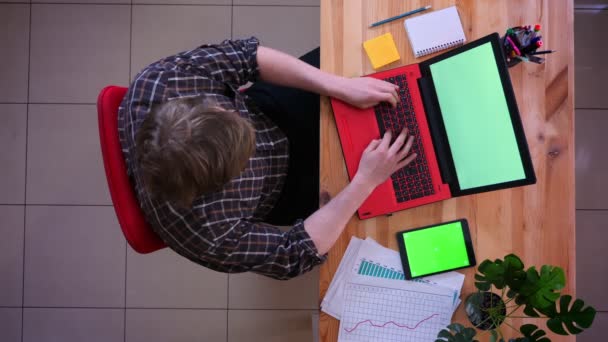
column 381, row 159
column 365, row 92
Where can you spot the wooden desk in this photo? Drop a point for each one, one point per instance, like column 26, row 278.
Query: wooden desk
column 535, row 222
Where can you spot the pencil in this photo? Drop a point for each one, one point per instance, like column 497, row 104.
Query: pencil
column 541, row 52
column 400, row 16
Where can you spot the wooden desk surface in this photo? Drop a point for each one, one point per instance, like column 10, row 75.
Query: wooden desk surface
column 535, row 222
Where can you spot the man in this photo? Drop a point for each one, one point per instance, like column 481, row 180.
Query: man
column 213, row 170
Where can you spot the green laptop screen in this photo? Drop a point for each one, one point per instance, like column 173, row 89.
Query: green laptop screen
column 436, row 249
column 477, row 119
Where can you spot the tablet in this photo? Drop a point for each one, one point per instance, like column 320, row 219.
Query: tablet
column 435, row 249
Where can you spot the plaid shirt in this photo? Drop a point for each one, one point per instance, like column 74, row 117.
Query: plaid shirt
column 223, row 230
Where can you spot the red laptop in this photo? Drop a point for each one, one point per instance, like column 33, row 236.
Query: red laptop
column 461, row 109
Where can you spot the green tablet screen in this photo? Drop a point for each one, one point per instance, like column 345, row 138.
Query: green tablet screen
column 476, row 118
column 436, row 249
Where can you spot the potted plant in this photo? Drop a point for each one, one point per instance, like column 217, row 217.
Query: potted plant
column 538, row 293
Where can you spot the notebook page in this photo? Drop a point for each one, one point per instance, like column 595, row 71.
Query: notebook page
column 435, row 31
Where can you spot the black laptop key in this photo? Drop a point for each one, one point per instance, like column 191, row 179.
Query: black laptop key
column 409, row 171
column 416, row 195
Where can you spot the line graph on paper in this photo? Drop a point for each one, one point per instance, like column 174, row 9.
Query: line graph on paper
column 373, row 313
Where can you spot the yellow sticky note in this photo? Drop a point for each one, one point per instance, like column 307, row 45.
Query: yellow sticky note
column 381, row 50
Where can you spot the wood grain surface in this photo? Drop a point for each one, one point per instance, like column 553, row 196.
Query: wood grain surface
column 536, row 222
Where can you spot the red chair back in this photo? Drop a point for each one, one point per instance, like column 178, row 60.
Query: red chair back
column 138, row 233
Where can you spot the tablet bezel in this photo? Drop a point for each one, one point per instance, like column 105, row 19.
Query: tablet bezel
column 467, row 241
column 437, row 120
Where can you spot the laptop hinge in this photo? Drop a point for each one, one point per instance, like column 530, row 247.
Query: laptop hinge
column 433, row 114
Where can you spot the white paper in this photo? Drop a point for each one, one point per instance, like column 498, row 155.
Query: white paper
column 369, row 250
column 378, row 309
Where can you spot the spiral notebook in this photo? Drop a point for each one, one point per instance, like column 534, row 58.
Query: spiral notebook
column 435, row 31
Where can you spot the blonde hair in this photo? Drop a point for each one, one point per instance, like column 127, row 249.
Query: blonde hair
column 188, row 147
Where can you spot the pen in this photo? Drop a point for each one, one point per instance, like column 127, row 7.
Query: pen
column 541, row 52
column 515, row 49
column 400, row 16
column 532, row 59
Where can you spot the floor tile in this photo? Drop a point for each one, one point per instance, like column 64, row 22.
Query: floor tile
column 270, row 325
column 190, row 27
column 279, row 2
column 599, row 4
column 74, row 256
column 183, row 2
column 13, row 118
column 67, row 325
column 597, row 332
column 64, row 157
column 293, row 30
column 87, row 2
column 591, row 256
column 76, row 50
column 14, row 39
column 164, row 279
column 591, row 166
column 252, row 291
column 11, row 255
column 315, row 326
column 162, row 325
column 591, row 70
column 10, row 324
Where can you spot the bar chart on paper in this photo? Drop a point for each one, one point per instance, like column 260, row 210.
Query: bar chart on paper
column 369, row 268
column 375, row 313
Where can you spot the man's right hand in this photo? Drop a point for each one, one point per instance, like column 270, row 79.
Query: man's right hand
column 381, row 158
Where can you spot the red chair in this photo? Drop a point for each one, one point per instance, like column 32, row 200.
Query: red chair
column 130, row 216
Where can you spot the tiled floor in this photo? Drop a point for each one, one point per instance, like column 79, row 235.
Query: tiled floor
column 66, row 272
column 591, row 23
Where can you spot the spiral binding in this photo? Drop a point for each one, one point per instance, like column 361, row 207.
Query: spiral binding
column 439, row 48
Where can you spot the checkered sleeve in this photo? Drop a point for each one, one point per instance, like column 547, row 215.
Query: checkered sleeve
column 264, row 249
column 233, row 61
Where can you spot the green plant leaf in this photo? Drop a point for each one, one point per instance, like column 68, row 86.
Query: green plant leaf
column 512, row 293
column 488, row 270
column 530, row 311
column 460, row 338
column 481, row 283
column 456, row 333
column 493, row 336
column 515, row 276
column 575, row 318
column 539, row 291
column 532, row 334
column 499, row 273
column 469, row 333
column 456, row 327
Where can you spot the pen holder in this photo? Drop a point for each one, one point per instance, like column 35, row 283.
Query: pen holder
column 520, row 44
column 511, row 62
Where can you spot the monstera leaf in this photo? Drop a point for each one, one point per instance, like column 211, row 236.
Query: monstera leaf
column 494, row 337
column 538, row 291
column 531, row 334
column 499, row 273
column 575, row 318
column 456, row 333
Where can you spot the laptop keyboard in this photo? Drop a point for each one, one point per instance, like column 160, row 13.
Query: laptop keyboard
column 413, row 181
